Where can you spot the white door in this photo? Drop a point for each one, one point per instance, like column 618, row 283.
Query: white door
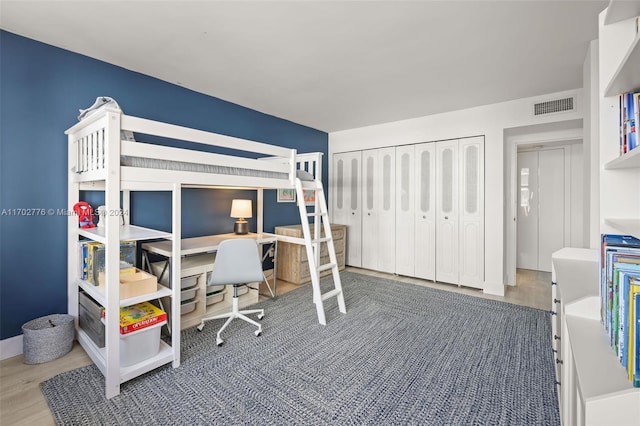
column 527, row 246
column 405, row 210
column 378, row 210
column 541, row 207
column 447, row 212
column 471, row 152
column 347, row 209
column 425, row 212
column 552, row 201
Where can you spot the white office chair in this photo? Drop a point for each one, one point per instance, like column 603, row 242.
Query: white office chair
column 237, row 263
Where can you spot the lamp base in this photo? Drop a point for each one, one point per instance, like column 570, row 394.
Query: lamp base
column 241, row 228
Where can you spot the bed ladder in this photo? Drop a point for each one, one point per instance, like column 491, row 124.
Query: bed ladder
column 313, row 244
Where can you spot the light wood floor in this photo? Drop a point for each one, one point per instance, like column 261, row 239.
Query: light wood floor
column 22, row 403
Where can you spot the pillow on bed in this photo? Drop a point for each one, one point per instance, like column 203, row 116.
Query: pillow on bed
column 304, row 175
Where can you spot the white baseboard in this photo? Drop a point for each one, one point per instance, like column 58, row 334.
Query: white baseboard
column 11, row 347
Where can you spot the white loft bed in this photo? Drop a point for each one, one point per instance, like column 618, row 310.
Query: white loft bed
column 100, row 159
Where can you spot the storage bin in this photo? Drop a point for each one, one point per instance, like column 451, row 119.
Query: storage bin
column 140, row 345
column 47, row 338
column 158, row 267
column 188, row 293
column 90, row 318
column 136, row 284
column 188, row 306
column 214, row 288
column 215, row 298
column 186, row 282
column 243, row 290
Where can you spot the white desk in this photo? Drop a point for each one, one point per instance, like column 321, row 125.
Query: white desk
column 209, row 244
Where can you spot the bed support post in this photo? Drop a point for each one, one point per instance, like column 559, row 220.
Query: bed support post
column 293, row 167
column 260, row 210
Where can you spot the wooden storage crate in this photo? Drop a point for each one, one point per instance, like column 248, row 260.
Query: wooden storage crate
column 293, row 265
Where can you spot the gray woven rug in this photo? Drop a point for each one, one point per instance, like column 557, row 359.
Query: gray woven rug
column 402, row 354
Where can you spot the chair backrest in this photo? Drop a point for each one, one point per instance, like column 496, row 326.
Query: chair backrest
column 237, row 262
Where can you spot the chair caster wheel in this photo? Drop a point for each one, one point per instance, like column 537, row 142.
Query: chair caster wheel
column 257, row 332
column 260, row 316
column 219, row 342
column 200, row 327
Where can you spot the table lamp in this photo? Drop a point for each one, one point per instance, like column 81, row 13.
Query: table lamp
column 241, row 209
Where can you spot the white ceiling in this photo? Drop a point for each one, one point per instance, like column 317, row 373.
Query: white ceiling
column 330, row 65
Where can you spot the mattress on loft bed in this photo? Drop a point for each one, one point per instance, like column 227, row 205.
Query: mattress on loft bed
column 154, row 163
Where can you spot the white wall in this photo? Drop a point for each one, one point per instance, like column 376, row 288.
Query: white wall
column 591, row 147
column 488, row 120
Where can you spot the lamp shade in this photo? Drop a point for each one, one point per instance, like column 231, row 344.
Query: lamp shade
column 241, row 208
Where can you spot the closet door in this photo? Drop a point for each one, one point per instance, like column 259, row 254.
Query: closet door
column 378, row 214
column 425, row 212
column 471, row 152
column 447, row 212
column 347, row 208
column 405, row 210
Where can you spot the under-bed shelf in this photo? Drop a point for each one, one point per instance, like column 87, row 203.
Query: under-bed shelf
column 98, row 294
column 127, row 232
column 98, row 356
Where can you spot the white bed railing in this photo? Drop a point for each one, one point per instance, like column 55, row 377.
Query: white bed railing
column 89, row 141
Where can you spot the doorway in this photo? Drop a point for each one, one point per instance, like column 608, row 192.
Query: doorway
column 541, row 207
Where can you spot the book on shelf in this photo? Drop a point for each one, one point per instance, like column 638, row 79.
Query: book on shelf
column 140, row 316
column 629, row 120
column 633, row 349
column 620, row 306
column 92, row 259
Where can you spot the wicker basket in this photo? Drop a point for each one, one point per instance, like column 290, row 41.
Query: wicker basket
column 47, row 338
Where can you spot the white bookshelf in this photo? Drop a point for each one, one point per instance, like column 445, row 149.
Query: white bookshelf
column 595, row 386
column 627, row 160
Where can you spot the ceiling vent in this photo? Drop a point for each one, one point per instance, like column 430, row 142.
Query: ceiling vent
column 555, row 106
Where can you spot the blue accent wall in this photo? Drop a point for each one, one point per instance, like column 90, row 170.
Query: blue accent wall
column 41, row 89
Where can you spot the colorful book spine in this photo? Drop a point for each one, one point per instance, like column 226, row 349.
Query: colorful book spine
column 636, row 371
column 620, row 294
column 634, row 342
column 630, row 122
column 636, row 117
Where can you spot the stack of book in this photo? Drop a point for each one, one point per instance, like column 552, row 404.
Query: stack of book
column 620, row 299
column 92, row 259
column 629, row 119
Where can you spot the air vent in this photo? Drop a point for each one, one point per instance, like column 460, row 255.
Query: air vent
column 554, row 106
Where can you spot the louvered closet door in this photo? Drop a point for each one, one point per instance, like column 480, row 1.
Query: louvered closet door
column 471, row 267
column 378, row 212
column 447, row 212
column 346, row 196
column 425, row 212
column 405, row 210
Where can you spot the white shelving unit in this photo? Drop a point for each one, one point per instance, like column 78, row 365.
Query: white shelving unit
column 594, row 387
column 103, row 358
column 116, row 229
column 619, row 44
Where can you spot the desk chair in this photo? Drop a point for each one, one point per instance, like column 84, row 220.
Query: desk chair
column 237, row 263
